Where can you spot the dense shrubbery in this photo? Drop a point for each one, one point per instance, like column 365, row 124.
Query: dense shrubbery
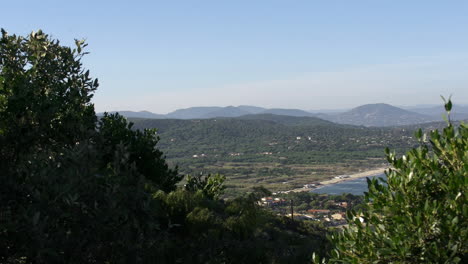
column 78, row 190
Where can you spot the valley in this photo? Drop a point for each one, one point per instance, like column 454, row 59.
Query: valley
column 277, row 152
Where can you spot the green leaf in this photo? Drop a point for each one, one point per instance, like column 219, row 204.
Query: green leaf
column 418, row 134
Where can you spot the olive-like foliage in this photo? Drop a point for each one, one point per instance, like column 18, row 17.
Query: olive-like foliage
column 419, row 214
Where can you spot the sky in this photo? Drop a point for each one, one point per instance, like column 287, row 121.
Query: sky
column 160, row 56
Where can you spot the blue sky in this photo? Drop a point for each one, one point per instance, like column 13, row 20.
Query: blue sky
column 164, row 55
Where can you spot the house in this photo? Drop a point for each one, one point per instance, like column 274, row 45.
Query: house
column 338, row 216
column 343, row 204
column 270, row 201
column 301, row 216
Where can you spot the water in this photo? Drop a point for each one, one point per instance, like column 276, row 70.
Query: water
column 355, row 186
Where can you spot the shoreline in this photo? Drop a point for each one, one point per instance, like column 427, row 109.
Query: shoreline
column 354, row 176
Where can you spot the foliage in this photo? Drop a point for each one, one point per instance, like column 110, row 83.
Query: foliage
column 71, row 191
column 419, row 215
column 44, row 95
column 309, row 200
column 211, row 186
column 70, row 211
column 219, row 138
column 78, row 190
column 115, row 131
column 202, row 230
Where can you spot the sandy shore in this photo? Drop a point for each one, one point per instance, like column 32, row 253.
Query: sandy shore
column 355, row 176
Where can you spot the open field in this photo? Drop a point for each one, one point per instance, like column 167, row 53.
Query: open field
column 242, row 176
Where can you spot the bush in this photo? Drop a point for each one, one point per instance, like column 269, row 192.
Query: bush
column 419, row 215
column 77, row 190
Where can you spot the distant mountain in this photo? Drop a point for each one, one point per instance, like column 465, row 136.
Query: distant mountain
column 229, row 111
column 232, row 111
column 202, row 112
column 141, row 114
column 327, row 111
column 286, row 112
column 193, row 112
column 251, row 109
column 365, row 115
column 379, row 115
column 289, row 120
column 459, row 112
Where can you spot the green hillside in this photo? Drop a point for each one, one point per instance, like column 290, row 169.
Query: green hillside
column 279, row 152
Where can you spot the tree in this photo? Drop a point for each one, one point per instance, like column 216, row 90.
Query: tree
column 419, row 214
column 45, row 110
column 72, row 191
column 115, row 131
column 45, row 96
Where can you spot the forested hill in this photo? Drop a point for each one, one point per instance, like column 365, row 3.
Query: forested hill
column 256, row 134
column 289, row 120
column 256, row 119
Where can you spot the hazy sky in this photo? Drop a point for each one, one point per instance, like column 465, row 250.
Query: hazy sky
column 164, row 55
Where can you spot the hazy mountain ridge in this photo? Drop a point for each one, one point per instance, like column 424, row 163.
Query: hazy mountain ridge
column 364, row 115
column 134, row 114
column 288, row 112
column 379, row 115
column 229, row 111
column 459, row 112
column 193, row 112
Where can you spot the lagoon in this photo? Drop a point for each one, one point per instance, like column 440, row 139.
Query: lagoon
column 355, row 186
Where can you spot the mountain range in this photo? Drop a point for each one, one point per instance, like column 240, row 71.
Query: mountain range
column 379, row 115
column 459, row 112
column 376, row 115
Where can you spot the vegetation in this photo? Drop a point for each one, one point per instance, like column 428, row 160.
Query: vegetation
column 78, row 190
column 219, row 138
column 419, row 215
column 279, row 152
column 75, row 190
column 304, row 201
